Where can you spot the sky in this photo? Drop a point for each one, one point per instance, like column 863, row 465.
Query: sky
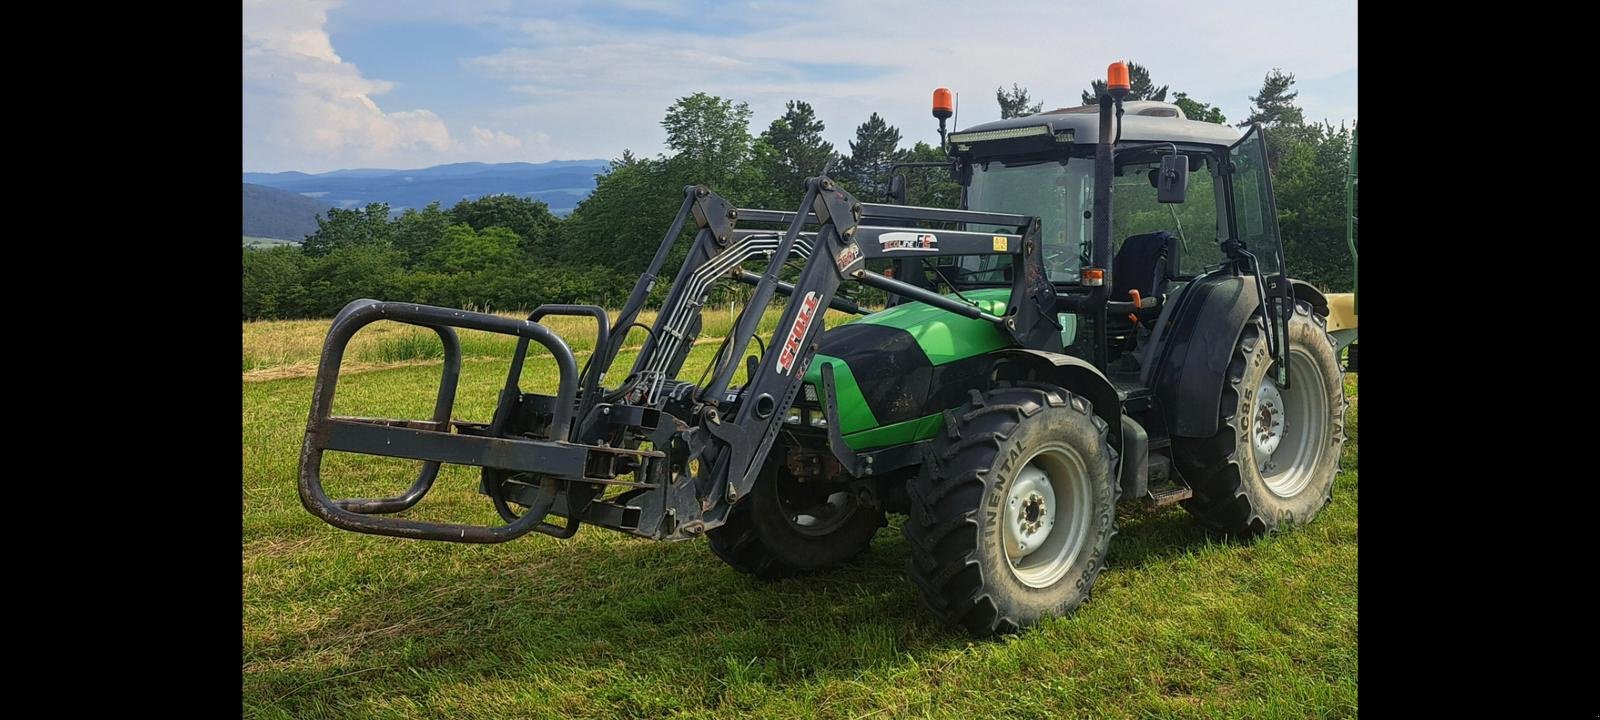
column 408, row 84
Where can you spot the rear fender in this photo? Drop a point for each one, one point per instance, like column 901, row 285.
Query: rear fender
column 1192, row 362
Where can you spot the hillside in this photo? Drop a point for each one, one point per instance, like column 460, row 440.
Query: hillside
column 273, row 213
column 561, row 184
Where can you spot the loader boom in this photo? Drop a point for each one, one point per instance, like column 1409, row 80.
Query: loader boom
column 556, row 454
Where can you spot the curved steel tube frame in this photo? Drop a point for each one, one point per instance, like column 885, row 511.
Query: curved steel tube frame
column 431, row 441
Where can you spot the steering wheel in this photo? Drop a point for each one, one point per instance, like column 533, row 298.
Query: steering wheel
column 1057, row 258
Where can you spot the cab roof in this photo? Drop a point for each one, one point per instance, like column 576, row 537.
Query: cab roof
column 1142, row 120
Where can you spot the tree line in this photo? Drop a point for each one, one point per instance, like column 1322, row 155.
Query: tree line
column 504, row 252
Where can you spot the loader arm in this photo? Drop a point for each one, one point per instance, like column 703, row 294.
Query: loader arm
column 555, row 455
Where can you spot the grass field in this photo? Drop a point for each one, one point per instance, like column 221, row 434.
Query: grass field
column 339, row 624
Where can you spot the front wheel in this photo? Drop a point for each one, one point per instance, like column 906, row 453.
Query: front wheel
column 1276, row 451
column 788, row 527
column 1013, row 521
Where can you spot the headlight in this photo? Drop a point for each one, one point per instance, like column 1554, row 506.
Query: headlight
column 1006, row 134
column 794, row 417
column 818, row 419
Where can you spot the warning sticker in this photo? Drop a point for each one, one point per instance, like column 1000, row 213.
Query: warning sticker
column 1000, row 243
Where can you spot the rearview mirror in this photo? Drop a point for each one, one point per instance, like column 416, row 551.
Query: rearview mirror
column 897, row 189
column 1172, row 180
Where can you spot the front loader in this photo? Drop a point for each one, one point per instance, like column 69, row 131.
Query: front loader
column 1030, row 372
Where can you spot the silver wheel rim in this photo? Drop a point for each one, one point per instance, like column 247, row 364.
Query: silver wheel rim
column 1288, row 426
column 822, row 518
column 1046, row 515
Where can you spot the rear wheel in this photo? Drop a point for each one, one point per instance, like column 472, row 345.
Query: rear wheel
column 1014, row 521
column 1276, row 451
column 786, row 527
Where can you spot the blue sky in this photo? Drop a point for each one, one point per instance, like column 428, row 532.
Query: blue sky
column 408, row 84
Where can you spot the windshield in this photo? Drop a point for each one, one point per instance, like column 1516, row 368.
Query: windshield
column 1056, row 191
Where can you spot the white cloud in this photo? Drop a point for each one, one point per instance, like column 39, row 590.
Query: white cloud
column 605, row 90
column 582, row 82
column 307, row 109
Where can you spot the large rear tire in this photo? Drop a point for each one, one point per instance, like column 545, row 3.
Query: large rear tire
column 1013, row 522
column 784, row 527
column 1273, row 460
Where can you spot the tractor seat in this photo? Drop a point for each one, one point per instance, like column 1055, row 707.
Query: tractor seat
column 1145, row 263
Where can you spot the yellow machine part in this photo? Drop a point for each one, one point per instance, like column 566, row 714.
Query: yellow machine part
column 1341, row 311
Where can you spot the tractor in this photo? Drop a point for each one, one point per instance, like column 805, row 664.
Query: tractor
column 1108, row 317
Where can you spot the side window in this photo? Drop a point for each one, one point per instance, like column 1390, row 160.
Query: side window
column 1254, row 216
column 1136, row 212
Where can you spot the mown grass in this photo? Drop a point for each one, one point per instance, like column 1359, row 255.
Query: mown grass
column 274, row 349
column 339, row 624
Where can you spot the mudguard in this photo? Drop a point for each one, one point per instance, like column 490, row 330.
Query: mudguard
column 1078, row 375
column 1309, row 294
column 1194, row 356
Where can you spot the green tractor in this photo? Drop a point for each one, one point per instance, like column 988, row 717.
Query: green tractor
column 1108, row 317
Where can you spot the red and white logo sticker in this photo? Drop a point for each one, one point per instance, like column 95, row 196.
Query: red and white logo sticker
column 797, row 333
column 848, row 255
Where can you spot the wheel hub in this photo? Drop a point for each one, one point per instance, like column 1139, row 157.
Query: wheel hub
column 1270, row 423
column 1290, row 436
column 1030, row 512
column 813, row 508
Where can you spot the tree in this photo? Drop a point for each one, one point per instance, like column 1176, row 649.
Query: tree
column 792, row 149
column 1140, row 87
column 347, row 272
column 274, row 281
column 620, row 223
column 1274, row 105
column 710, row 134
column 529, row 219
column 1275, row 110
column 348, row 228
column 467, row 250
column 876, row 145
column 1308, row 184
column 417, row 233
column 1196, row 110
column 1014, row 103
column 930, row 187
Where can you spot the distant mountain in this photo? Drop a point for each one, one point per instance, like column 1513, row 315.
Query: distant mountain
column 273, row 213
column 560, row 184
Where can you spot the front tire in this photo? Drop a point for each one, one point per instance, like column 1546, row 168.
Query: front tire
column 1273, row 460
column 784, row 527
column 1013, row 522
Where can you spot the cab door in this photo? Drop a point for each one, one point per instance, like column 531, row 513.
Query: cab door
column 1253, row 224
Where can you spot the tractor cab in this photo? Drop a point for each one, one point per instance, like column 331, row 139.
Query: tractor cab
column 1161, row 238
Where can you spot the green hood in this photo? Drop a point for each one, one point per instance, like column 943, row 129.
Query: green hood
column 897, row 370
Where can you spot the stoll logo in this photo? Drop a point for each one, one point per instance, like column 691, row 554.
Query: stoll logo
column 797, row 333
